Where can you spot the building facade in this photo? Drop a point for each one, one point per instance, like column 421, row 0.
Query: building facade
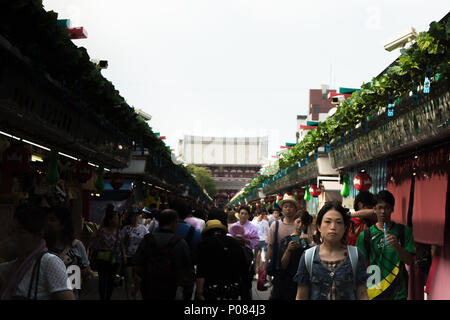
column 232, row 162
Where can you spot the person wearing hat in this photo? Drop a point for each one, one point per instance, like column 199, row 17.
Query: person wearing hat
column 133, row 235
column 285, row 226
column 222, row 266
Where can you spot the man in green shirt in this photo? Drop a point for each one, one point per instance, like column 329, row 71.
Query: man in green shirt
column 388, row 252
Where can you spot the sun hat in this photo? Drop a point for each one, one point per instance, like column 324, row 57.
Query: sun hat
column 214, row 224
column 288, row 197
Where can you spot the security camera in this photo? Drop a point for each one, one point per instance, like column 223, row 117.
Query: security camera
column 101, row 64
column 401, row 41
column 144, row 115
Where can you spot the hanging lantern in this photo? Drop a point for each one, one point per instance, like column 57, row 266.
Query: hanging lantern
column 53, row 174
column 83, row 171
column 362, row 181
column 16, row 159
column 279, row 198
column 307, row 196
column 100, row 183
column 345, row 191
column 298, row 193
column 314, row 191
column 116, row 180
column 258, row 205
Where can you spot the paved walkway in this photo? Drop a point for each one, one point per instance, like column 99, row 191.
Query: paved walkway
column 90, row 292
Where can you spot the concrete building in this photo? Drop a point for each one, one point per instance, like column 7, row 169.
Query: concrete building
column 232, row 162
column 319, row 106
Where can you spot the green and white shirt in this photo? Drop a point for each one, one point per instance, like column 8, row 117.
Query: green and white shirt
column 394, row 278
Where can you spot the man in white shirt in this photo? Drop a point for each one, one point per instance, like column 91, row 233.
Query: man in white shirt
column 262, row 226
column 197, row 223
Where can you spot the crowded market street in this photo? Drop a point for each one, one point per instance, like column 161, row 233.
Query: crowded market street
column 224, row 155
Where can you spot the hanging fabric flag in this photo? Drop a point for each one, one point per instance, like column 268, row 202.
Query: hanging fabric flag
column 390, row 108
column 100, row 184
column 53, row 174
column 427, row 82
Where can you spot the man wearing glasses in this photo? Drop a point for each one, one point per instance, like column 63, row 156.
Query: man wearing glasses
column 388, row 246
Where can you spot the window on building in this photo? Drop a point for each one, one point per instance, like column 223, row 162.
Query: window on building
column 315, row 109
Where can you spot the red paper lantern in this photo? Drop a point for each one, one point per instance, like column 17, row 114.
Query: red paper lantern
column 314, row 191
column 16, row 159
column 298, row 193
column 83, row 171
column 362, row 181
column 116, row 180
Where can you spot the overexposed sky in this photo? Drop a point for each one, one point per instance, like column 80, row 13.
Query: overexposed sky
column 239, row 67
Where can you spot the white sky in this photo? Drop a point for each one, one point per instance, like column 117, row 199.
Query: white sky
column 239, row 67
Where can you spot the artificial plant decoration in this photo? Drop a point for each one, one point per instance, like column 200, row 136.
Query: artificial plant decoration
column 345, row 191
column 307, row 196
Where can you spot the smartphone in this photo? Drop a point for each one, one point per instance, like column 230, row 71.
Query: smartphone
column 295, row 238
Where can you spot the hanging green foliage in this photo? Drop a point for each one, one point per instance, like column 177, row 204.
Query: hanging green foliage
column 431, row 52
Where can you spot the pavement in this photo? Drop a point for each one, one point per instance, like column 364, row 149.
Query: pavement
column 90, row 291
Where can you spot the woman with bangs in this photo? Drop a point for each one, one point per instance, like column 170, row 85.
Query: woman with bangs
column 332, row 270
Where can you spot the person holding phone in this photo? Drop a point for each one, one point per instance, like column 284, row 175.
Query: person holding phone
column 291, row 250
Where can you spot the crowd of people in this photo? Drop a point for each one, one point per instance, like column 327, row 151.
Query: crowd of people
column 182, row 254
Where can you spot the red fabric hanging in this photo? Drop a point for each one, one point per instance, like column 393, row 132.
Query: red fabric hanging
column 431, row 274
column 428, row 218
column 401, row 194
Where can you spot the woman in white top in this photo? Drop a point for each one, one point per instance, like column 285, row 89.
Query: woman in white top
column 133, row 235
column 262, row 226
column 35, row 274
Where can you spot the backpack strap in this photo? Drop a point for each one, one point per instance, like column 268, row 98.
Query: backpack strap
column 367, row 242
column 309, row 259
column 353, row 255
column 173, row 242
column 190, row 235
column 275, row 236
column 401, row 234
column 35, row 277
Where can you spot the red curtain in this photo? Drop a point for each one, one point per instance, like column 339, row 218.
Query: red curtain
column 428, row 218
column 401, row 194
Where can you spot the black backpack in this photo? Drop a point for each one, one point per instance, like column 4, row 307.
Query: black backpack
column 159, row 279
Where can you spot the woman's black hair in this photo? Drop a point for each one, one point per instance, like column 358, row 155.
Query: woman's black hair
column 306, row 219
column 334, row 205
column 364, row 197
column 65, row 219
column 110, row 212
column 32, row 218
column 246, row 208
